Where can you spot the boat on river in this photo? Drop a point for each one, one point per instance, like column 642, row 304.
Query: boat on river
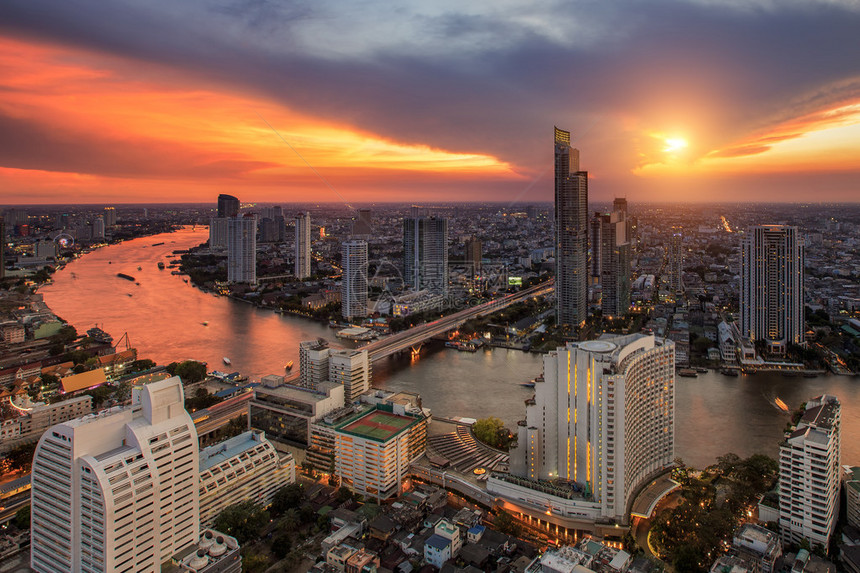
column 160, row 265
column 227, row 361
column 125, row 276
column 687, row 373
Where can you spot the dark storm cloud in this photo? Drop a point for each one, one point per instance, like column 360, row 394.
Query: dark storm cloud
column 493, row 81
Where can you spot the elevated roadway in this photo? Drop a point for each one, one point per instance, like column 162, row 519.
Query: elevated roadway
column 414, row 337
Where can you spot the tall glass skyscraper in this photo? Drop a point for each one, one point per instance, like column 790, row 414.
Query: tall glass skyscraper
column 772, row 286
column 242, row 250
column 425, row 253
column 303, row 246
column 354, row 281
column 571, row 233
column 228, row 206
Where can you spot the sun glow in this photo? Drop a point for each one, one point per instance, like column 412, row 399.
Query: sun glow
column 674, row 144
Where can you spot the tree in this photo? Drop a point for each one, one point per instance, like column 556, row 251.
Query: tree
column 244, row 521
column 505, row 523
column 687, row 559
column 288, row 497
column 281, row 545
column 489, row 430
column 21, row 457
column 344, row 494
column 50, row 380
column 65, row 335
column 141, row 365
column 22, row 518
column 191, row 371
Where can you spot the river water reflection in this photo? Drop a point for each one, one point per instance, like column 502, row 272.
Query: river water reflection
column 164, row 318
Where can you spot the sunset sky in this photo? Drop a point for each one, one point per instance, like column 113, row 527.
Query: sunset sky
column 334, row 100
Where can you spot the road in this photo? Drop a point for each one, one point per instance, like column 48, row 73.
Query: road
column 214, row 417
column 417, row 335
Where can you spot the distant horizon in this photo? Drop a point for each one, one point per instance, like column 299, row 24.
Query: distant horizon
column 509, row 204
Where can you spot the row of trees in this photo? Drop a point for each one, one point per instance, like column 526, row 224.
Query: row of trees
column 714, row 503
column 287, row 521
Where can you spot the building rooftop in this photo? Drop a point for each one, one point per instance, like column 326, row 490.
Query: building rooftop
column 223, row 451
column 84, row 380
column 377, row 425
column 852, row 477
column 823, row 416
column 436, row 541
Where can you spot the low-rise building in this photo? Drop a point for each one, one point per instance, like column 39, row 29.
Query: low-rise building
column 286, row 412
column 757, row 545
column 214, row 553
column 31, row 420
column 245, row 467
column 338, row 556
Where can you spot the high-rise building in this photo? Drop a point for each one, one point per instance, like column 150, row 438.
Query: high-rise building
column 425, row 253
column 615, row 265
column 98, row 228
column 228, row 206
column 110, row 217
column 313, row 362
column 354, row 280
column 218, row 233
column 374, row 449
column 809, row 474
column 363, row 225
column 571, row 233
column 117, row 490
column 620, row 205
column 242, row 250
column 303, row 246
column 595, row 224
column 676, row 260
column 772, row 286
column 473, row 251
column 603, row 418
column 351, row 369
column 271, row 212
column 531, row 212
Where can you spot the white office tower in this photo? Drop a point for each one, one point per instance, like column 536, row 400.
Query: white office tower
column 313, row 362
column 117, row 490
column 571, row 233
column 242, row 250
column 676, row 260
column 809, row 474
column 425, row 253
column 351, row 369
column 354, row 282
column 602, row 417
column 303, row 246
column 218, row 232
column 772, row 286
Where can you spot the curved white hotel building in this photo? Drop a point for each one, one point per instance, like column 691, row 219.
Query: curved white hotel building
column 117, row 491
column 600, row 426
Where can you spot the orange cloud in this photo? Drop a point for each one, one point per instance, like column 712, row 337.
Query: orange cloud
column 81, row 123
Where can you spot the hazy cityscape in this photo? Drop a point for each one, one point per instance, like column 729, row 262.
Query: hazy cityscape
column 296, row 287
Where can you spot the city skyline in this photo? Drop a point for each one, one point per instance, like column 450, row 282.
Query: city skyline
column 688, row 101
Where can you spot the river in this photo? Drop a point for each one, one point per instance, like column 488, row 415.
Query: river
column 164, row 318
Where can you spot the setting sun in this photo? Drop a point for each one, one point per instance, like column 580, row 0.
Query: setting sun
column 674, row 144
